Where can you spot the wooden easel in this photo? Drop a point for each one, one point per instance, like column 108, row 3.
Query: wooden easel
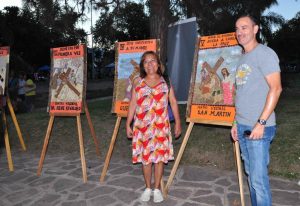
column 80, row 136
column 239, row 167
column 6, row 139
column 110, row 150
column 179, row 156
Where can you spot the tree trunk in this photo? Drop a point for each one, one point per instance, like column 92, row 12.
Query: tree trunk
column 160, row 17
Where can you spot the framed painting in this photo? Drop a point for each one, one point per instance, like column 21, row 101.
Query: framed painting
column 127, row 59
column 67, row 88
column 212, row 87
column 4, row 67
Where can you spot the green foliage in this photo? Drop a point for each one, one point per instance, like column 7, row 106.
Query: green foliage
column 284, row 41
column 223, row 14
column 31, row 32
column 43, row 24
column 126, row 22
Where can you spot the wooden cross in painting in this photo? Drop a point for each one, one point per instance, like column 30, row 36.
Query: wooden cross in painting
column 64, row 76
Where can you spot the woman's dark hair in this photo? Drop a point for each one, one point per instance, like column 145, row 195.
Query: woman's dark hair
column 142, row 69
column 161, row 69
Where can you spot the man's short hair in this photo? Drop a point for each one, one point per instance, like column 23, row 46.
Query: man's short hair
column 252, row 18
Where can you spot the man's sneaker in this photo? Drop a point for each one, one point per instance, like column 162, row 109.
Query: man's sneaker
column 145, row 197
column 157, row 196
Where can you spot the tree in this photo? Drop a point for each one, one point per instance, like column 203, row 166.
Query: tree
column 223, row 14
column 267, row 22
column 123, row 23
column 284, row 41
column 59, row 19
column 160, row 18
column 34, row 29
column 24, row 35
column 213, row 16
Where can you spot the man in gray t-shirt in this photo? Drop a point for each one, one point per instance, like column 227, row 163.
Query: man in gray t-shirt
column 252, row 87
column 258, row 89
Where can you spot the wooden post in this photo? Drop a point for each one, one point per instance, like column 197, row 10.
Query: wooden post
column 162, row 185
column 14, row 118
column 239, row 167
column 234, row 153
column 91, row 128
column 50, row 124
column 82, row 157
column 7, row 146
column 178, row 158
column 111, row 147
column 47, row 137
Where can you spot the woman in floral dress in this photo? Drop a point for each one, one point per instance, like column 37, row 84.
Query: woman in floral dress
column 151, row 134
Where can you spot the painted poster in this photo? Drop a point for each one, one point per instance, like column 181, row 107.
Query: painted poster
column 67, row 80
column 4, row 66
column 128, row 56
column 212, row 88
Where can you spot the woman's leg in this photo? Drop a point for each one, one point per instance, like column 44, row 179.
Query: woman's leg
column 158, row 173
column 147, row 171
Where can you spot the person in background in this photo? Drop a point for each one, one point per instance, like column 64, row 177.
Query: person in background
column 258, row 89
column 21, row 86
column 13, row 89
column 2, row 128
column 152, row 140
column 30, row 92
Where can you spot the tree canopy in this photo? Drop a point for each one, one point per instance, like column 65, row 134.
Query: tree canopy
column 123, row 23
column 284, row 41
column 30, row 35
column 42, row 24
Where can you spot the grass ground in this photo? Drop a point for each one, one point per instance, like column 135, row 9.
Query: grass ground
column 208, row 144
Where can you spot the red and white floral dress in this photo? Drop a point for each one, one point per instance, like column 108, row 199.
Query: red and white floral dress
column 152, row 140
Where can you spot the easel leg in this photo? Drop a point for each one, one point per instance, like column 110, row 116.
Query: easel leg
column 111, row 147
column 239, row 167
column 92, row 128
column 50, row 124
column 178, row 158
column 234, row 153
column 7, row 146
column 82, row 157
column 162, row 184
column 14, row 118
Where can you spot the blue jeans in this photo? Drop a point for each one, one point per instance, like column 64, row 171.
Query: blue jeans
column 255, row 154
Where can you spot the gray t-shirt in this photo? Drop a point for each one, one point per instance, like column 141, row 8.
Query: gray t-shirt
column 252, row 87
